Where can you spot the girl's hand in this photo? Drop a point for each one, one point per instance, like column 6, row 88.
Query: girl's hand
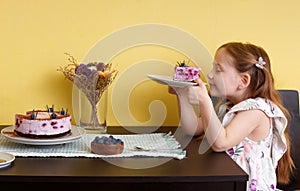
column 201, row 84
column 177, row 91
column 197, row 93
column 171, row 90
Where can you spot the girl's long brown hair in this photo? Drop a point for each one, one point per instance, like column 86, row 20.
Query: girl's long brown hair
column 245, row 56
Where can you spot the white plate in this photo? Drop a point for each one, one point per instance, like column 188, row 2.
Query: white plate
column 76, row 133
column 168, row 80
column 9, row 158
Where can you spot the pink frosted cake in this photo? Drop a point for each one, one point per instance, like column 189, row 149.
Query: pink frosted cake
column 186, row 73
column 43, row 124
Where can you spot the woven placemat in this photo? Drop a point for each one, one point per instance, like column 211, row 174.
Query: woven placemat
column 154, row 145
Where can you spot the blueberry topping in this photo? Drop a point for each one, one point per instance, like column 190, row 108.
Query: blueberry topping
column 107, row 140
column 53, row 116
column 182, row 63
column 64, row 111
column 50, row 109
column 32, row 116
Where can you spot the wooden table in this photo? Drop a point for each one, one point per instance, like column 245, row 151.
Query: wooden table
column 208, row 171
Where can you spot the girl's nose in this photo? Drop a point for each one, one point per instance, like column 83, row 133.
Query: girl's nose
column 210, row 75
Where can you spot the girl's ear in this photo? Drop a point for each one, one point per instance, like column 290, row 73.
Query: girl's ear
column 244, row 81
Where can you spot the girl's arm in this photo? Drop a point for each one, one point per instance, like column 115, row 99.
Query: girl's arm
column 189, row 121
column 251, row 123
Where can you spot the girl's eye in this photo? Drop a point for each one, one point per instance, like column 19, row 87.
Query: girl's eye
column 217, row 69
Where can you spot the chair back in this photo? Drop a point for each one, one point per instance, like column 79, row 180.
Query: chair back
column 290, row 99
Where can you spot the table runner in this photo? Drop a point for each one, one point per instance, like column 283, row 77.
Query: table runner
column 157, row 145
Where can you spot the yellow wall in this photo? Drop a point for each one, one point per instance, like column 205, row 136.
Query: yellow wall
column 35, row 34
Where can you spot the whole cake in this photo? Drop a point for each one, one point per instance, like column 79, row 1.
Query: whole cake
column 43, row 123
column 186, row 73
column 107, row 145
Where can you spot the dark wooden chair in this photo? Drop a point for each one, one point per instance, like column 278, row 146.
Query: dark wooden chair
column 290, row 100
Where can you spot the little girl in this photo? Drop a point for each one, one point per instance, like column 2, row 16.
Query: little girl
column 253, row 130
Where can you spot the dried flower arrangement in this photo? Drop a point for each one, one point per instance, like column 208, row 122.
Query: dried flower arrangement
column 92, row 79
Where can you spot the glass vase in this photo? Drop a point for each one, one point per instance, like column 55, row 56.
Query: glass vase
column 92, row 115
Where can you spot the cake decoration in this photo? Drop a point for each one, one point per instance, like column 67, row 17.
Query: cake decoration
column 33, row 115
column 107, row 145
column 185, row 73
column 50, row 109
column 43, row 123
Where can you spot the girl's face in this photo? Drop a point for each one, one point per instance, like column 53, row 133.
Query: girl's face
column 223, row 78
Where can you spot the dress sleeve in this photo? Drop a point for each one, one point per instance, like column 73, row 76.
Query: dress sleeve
column 279, row 145
column 278, row 119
